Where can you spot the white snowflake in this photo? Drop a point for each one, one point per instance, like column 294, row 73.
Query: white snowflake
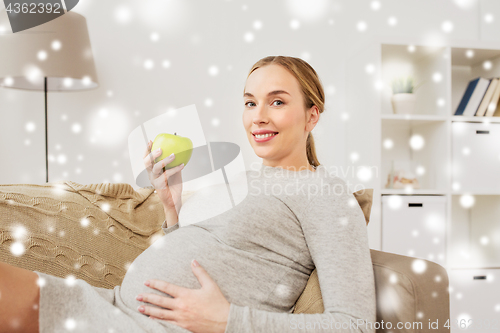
column 8, row 81
column 19, row 232
column 105, row 207
column 361, row 26
column 149, row 64
column 84, row 222
column 70, row 324
column 215, row 122
column 41, row 282
column 70, row 281
column 123, row 14
column 61, row 159
column 56, row 45
column 17, row 249
column 76, row 128
column 257, row 25
column 86, row 80
column 248, row 37
column 209, row 102
column 375, row 5
column 155, row 37
column 294, row 24
column 419, row 266
column 68, row 82
column 447, row 26
column 42, row 55
column 213, row 70
column 30, row 126
column 117, row 177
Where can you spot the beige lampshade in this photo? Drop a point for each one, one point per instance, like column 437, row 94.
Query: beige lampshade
column 59, row 50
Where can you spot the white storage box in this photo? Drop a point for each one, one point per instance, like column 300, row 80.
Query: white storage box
column 476, row 157
column 474, row 300
column 415, row 226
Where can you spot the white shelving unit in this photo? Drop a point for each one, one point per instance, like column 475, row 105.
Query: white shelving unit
column 379, row 137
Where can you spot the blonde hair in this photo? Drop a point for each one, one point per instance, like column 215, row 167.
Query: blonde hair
column 311, row 87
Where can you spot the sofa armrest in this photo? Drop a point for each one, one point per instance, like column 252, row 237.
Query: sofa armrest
column 411, row 290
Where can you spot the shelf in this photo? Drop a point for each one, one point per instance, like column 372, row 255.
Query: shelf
column 480, row 62
column 413, row 119
column 387, row 191
column 476, row 119
column 492, row 192
column 428, row 160
column 428, row 118
column 429, row 67
column 422, row 117
column 459, row 56
column 470, row 268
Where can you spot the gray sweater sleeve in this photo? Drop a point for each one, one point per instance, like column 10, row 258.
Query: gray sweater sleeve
column 336, row 235
column 166, row 229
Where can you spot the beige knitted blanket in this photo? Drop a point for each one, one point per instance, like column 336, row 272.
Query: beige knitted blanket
column 90, row 231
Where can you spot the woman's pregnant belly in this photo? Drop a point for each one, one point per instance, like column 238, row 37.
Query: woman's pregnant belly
column 243, row 277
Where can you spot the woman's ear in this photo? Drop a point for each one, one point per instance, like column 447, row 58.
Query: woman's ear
column 312, row 117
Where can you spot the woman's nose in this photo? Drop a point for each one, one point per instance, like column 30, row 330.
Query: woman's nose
column 260, row 115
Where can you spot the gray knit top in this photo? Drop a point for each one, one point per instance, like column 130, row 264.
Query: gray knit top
column 262, row 252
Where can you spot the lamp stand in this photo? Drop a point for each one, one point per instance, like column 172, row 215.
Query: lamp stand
column 46, row 140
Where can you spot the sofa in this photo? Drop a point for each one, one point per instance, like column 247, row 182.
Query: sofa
column 94, row 232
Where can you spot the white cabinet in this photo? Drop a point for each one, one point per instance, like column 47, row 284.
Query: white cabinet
column 475, row 300
column 415, row 226
column 455, row 159
column 474, row 240
column 476, row 156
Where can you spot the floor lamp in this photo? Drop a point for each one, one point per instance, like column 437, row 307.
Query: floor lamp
column 55, row 56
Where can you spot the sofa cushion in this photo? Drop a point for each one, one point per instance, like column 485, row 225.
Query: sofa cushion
column 365, row 200
column 310, row 301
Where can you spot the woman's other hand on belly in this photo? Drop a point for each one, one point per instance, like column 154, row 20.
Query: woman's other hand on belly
column 203, row 310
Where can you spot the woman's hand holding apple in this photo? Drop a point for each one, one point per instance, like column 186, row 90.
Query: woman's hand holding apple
column 170, row 195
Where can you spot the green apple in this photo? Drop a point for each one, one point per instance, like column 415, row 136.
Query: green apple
column 181, row 146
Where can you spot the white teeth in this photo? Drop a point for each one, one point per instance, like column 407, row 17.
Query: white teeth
column 261, row 136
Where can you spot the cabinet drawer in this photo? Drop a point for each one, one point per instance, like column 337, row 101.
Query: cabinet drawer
column 476, row 156
column 475, row 299
column 415, row 226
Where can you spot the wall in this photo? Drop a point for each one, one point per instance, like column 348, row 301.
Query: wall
column 193, row 37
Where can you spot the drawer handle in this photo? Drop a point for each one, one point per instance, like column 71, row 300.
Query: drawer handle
column 415, row 205
column 482, row 132
column 480, row 277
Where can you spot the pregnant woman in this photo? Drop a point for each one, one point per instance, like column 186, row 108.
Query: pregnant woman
column 254, row 258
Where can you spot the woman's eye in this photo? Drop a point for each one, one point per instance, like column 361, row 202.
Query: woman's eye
column 279, row 101
column 246, row 104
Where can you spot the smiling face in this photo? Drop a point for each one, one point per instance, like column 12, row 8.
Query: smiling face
column 273, row 102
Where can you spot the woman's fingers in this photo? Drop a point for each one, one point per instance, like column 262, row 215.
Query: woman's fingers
column 148, row 148
column 156, row 312
column 149, row 159
column 158, row 167
column 167, row 287
column 168, row 177
column 161, row 301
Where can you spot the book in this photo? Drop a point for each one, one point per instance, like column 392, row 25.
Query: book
column 476, row 97
column 492, row 106
column 466, row 96
column 481, row 110
column 497, row 111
